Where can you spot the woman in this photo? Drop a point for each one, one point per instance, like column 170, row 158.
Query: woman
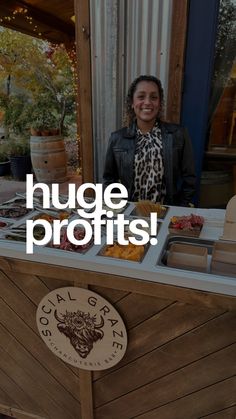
column 151, row 158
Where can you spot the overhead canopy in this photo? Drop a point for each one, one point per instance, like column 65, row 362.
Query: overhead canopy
column 47, row 19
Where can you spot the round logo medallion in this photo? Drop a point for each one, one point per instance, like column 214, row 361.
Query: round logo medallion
column 82, row 328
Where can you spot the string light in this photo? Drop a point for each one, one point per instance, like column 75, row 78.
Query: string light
column 20, row 10
column 23, row 11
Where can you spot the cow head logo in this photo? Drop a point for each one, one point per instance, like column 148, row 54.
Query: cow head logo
column 81, row 328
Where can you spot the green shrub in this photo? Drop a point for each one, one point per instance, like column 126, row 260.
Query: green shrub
column 18, row 146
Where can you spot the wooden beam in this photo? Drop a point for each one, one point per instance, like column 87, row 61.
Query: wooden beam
column 122, row 283
column 82, row 33
column 48, row 25
column 177, row 55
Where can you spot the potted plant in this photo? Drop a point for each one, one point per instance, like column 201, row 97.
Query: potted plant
column 20, row 160
column 4, row 160
column 43, row 123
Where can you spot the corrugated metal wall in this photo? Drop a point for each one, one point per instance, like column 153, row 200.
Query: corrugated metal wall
column 128, row 38
column 148, row 38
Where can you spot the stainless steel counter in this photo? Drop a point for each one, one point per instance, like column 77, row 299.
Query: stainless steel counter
column 148, row 269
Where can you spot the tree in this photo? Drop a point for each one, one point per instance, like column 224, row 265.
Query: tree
column 41, row 74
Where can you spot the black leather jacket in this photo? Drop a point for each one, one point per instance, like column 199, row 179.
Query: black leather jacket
column 177, row 157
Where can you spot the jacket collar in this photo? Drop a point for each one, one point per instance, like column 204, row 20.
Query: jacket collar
column 166, row 128
column 131, row 130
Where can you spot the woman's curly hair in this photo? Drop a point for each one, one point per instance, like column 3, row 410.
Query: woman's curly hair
column 130, row 116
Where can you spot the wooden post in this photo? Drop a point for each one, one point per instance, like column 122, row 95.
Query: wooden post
column 85, row 382
column 86, row 395
column 176, row 65
column 82, row 36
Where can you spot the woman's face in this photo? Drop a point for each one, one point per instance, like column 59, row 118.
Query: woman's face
column 146, row 103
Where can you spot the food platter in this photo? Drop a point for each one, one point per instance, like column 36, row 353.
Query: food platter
column 66, row 245
column 186, row 225
column 144, row 208
column 129, row 252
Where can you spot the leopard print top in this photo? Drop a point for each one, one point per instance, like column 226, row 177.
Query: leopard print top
column 149, row 182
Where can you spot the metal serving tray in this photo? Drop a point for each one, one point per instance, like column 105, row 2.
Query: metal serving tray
column 13, row 212
column 134, row 213
column 224, row 266
column 207, row 244
column 103, row 249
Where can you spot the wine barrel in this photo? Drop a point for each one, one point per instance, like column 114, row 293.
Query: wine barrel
column 216, row 188
column 48, row 158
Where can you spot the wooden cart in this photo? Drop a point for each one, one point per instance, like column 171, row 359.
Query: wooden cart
column 180, row 359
